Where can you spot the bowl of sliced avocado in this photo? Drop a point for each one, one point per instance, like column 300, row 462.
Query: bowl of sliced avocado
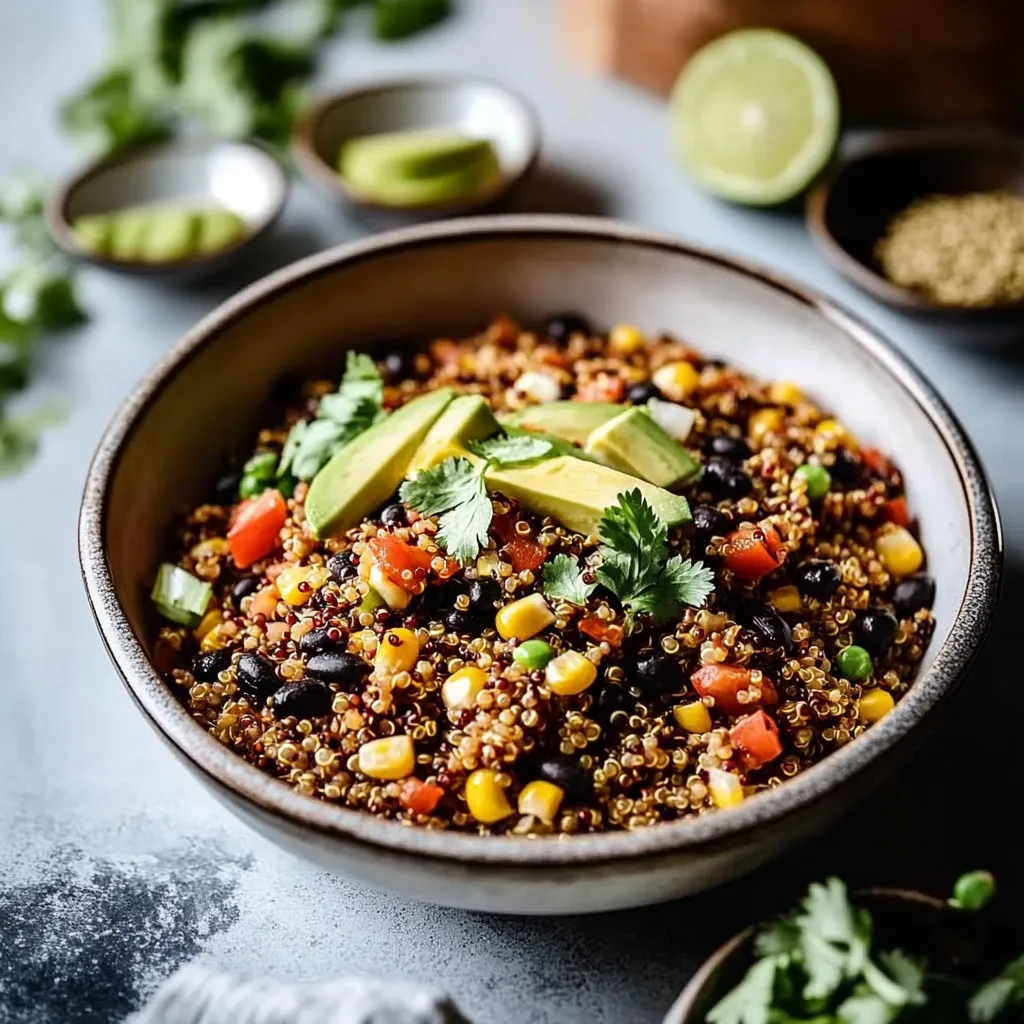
column 183, row 208
column 417, row 148
column 485, row 561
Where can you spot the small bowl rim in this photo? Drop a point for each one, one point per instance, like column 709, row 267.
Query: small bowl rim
column 683, row 1005
column 317, row 170
column 60, row 229
column 246, row 783
column 896, row 142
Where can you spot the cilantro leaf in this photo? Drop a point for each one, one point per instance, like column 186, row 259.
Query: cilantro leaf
column 997, row 996
column 866, row 1007
column 19, row 438
column 751, row 1000
column 397, row 19
column 780, row 938
column 510, row 451
column 834, row 938
column 563, row 579
column 902, row 981
column 455, row 491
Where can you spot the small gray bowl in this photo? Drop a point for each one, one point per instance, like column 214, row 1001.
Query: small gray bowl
column 473, row 106
column 240, row 176
column 448, row 279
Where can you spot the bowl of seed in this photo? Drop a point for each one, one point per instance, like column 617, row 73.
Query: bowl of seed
column 928, row 221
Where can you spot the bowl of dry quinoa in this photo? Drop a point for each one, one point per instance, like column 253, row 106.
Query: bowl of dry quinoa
column 537, row 564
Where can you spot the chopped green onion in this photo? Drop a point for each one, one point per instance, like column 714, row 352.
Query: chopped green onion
column 180, row 596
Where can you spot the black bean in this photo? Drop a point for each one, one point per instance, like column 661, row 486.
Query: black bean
column 316, row 640
column 566, row 773
column 818, row 578
column 207, row 667
column 342, row 566
column 875, row 631
column 400, row 365
column 394, row 515
column 461, row 622
column 914, row 593
column 656, row 672
column 733, row 449
column 773, row 628
column 846, row 467
column 562, row 326
column 225, row 490
column 484, row 596
column 708, row 522
column 256, row 676
column 335, row 665
column 642, row 393
column 306, row 698
column 724, row 480
column 245, row 587
column 610, row 698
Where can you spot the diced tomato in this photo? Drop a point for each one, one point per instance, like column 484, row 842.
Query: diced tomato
column 601, row 631
column 724, row 682
column 256, row 528
column 399, row 560
column 603, row 388
column 525, row 553
column 754, row 551
column 895, row 511
column 875, row 461
column 756, row 737
column 418, row 796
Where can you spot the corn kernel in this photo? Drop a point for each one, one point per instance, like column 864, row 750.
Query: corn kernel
column 765, row 422
column 785, row 599
column 785, row 392
column 398, row 651
column 392, row 757
column 725, row 788
column 899, row 552
column 570, row 673
column 486, row 797
column 396, row 597
column 524, row 618
column 289, row 580
column 214, row 640
column 676, row 380
column 460, row 688
column 488, row 564
column 541, row 799
column 692, row 717
column 625, row 339
column 834, row 430
column 211, row 620
column 874, row 705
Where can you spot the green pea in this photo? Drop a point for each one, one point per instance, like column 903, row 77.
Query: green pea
column 854, row 663
column 817, row 478
column 533, row 654
column 249, row 486
column 973, row 890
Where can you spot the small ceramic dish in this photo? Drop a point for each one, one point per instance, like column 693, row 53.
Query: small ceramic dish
column 849, row 210
column 447, row 279
column 242, row 177
column 953, row 941
column 472, row 106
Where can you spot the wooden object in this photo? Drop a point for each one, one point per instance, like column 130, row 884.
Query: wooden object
column 893, row 59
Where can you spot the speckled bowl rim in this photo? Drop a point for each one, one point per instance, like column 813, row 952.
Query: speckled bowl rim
column 249, row 784
column 321, row 173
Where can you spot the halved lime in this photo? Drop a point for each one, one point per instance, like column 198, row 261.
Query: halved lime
column 755, row 116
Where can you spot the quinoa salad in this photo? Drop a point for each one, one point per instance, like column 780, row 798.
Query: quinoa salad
column 545, row 581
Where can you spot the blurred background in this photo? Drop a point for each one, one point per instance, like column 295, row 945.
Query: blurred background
column 114, row 868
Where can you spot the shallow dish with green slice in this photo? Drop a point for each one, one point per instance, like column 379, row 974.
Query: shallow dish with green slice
column 755, row 117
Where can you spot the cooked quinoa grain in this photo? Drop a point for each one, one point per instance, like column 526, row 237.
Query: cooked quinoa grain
column 483, row 706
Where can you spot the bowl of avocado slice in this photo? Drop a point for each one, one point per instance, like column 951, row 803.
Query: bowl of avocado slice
column 209, row 397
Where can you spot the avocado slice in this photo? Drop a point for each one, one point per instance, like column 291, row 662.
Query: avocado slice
column 577, row 493
column 571, row 421
column 169, row 235
column 218, row 228
column 409, row 154
column 440, row 188
column 127, row 233
column 368, row 470
column 467, row 418
column 93, row 232
column 633, row 443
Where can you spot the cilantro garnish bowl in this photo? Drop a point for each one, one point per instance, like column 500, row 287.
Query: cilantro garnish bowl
column 210, row 395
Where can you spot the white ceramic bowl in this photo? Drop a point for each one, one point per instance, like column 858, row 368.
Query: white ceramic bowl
column 451, row 278
column 472, row 106
column 240, row 176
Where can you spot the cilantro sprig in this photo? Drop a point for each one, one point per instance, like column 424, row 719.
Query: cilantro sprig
column 635, row 566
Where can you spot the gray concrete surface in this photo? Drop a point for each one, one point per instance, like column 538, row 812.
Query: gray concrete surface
column 115, row 867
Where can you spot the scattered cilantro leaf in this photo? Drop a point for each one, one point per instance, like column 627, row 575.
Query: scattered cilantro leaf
column 398, row 19
column 1002, row 993
column 106, row 115
column 563, row 580
column 636, row 566
column 902, row 981
column 866, row 1007
column 19, row 437
column 779, row 938
column 750, row 1002
column 510, row 451
column 453, row 490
